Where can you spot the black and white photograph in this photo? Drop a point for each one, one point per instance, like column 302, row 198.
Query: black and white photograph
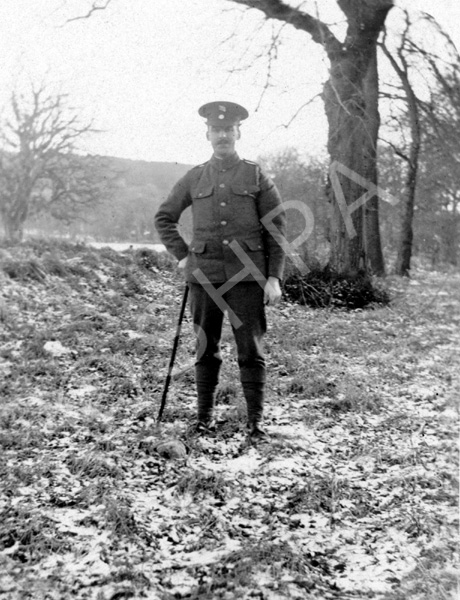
column 229, row 299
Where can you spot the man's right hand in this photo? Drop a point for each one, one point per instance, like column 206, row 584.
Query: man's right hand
column 182, row 263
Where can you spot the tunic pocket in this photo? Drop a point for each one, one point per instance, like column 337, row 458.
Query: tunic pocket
column 254, row 245
column 245, row 190
column 254, row 250
column 197, row 247
column 202, row 192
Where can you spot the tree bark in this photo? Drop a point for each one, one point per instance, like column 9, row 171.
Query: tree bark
column 352, row 114
column 351, row 101
column 372, row 240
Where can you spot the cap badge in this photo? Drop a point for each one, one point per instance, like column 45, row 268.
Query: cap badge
column 223, row 113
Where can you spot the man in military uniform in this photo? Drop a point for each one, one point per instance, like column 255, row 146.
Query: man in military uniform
column 234, row 262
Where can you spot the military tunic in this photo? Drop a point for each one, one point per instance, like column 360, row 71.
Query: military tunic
column 229, row 197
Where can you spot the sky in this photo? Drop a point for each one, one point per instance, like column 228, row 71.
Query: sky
column 140, row 70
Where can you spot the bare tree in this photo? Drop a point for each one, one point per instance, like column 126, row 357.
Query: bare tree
column 40, row 170
column 399, row 62
column 438, row 189
column 429, row 123
column 351, row 102
column 441, row 112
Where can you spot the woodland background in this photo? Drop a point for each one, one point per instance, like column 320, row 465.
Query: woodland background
column 139, row 187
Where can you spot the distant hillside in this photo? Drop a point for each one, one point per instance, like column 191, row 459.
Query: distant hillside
column 137, row 188
column 143, row 173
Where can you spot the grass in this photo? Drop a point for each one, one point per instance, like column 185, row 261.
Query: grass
column 272, row 563
column 355, row 496
column 199, row 484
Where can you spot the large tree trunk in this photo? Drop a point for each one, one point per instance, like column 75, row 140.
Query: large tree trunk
column 351, row 101
column 372, row 240
column 350, row 97
column 345, row 118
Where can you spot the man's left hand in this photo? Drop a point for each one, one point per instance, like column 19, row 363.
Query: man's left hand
column 272, row 291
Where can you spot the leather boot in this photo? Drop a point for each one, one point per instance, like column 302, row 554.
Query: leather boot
column 206, row 383
column 205, row 405
column 254, row 395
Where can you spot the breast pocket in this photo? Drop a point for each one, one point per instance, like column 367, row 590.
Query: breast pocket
column 202, row 207
column 244, row 203
column 203, row 191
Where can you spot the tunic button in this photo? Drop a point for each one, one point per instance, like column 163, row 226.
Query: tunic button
column 225, row 242
column 223, row 222
column 222, row 185
column 223, row 204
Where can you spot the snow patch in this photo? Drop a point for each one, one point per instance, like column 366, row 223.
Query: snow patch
column 85, row 390
column 56, row 349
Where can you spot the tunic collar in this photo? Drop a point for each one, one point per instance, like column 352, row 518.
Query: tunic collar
column 223, row 164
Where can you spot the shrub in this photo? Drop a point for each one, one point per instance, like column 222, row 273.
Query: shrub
column 23, row 269
column 152, row 260
column 323, row 288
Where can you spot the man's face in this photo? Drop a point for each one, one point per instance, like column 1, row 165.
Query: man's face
column 223, row 139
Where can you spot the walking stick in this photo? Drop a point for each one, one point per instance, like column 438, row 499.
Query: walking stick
column 173, row 354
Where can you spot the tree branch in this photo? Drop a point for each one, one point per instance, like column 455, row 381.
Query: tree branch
column 276, row 9
column 396, row 150
column 92, row 10
column 299, row 110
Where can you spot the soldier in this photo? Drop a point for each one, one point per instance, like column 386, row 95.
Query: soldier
column 233, row 263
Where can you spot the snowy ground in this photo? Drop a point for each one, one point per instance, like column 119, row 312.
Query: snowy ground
column 354, row 496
